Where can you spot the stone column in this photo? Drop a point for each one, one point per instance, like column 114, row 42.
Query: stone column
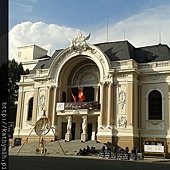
column 130, row 107
column 48, row 101
column 115, row 104
column 68, row 135
column 169, row 106
column 139, row 106
column 135, row 105
column 110, row 104
column 19, row 113
column 84, row 135
column 54, row 106
column 53, row 125
column 35, row 106
column 96, row 93
column 100, row 119
column 168, row 136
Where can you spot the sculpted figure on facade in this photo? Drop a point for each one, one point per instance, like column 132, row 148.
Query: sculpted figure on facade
column 122, row 122
column 122, row 99
column 42, row 102
column 79, row 43
column 69, row 124
column 84, row 124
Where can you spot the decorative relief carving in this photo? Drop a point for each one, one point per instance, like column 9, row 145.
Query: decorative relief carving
column 155, row 124
column 108, row 82
column 108, row 76
column 155, row 76
column 79, row 43
column 88, row 74
column 52, row 80
column 76, row 112
column 58, row 62
column 52, row 87
column 99, row 57
column 102, row 83
column 122, row 99
column 151, row 77
column 43, row 81
column 42, row 102
column 93, row 51
column 122, row 121
column 123, row 75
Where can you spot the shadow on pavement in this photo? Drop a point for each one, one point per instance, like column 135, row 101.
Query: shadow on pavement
column 65, row 163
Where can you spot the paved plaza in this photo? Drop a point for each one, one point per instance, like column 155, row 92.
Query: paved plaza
column 68, row 149
column 57, row 148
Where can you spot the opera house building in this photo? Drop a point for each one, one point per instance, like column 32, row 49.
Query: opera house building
column 106, row 92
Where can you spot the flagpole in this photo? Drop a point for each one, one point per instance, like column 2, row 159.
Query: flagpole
column 124, row 33
column 160, row 36
column 107, row 31
column 74, row 97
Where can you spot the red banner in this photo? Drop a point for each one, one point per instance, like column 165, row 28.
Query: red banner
column 81, row 95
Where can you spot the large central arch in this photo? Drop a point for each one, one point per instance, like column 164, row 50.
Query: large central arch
column 65, row 59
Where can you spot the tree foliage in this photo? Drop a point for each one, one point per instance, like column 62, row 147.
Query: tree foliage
column 4, row 81
column 15, row 70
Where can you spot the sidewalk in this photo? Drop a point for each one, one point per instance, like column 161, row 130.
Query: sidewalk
column 157, row 160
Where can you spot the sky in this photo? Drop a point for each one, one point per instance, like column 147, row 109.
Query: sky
column 50, row 24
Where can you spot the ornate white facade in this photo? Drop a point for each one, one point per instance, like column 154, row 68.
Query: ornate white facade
column 121, row 85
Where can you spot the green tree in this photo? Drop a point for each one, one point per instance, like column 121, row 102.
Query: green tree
column 15, row 70
column 4, row 81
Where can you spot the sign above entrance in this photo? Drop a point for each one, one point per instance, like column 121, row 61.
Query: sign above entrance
column 60, row 107
column 77, row 105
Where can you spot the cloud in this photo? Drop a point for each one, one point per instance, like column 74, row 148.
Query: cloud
column 47, row 36
column 141, row 29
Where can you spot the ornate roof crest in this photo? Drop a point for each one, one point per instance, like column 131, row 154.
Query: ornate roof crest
column 79, row 43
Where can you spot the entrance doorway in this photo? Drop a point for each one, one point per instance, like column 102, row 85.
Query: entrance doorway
column 64, row 130
column 89, row 130
column 73, row 130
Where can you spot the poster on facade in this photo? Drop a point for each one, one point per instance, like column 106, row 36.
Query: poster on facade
column 60, row 107
column 154, row 147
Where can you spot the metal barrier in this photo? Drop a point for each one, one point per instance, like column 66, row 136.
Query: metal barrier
column 121, row 156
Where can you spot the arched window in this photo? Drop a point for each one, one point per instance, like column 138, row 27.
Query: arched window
column 155, row 105
column 30, row 109
column 88, row 74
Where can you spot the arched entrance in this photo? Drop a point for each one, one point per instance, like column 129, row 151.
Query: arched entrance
column 80, row 86
column 78, row 73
